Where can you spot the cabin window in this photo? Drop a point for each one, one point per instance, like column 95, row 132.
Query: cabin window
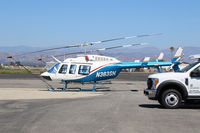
column 63, row 69
column 72, row 69
column 83, row 69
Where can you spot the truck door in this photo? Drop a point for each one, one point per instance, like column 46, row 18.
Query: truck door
column 194, row 82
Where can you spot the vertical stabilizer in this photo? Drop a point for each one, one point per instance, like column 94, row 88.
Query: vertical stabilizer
column 178, row 54
column 175, row 61
column 160, row 57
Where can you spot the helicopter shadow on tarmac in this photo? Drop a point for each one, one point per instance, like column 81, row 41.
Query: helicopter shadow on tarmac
column 98, row 89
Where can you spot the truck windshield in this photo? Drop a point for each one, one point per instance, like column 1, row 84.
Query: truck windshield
column 188, row 67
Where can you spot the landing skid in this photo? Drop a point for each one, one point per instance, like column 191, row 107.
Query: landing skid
column 51, row 89
column 65, row 89
column 88, row 90
column 71, row 90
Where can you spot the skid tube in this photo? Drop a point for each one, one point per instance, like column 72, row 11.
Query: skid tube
column 66, row 89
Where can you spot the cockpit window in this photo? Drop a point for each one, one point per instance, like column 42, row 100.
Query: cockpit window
column 188, row 67
column 85, row 70
column 63, row 69
column 72, row 69
column 54, row 68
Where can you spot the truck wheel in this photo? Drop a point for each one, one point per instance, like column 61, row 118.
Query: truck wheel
column 160, row 101
column 171, row 99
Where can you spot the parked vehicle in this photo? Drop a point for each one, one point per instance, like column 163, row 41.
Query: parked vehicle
column 173, row 88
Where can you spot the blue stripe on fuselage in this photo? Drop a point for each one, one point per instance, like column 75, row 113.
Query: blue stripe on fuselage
column 104, row 73
column 113, row 70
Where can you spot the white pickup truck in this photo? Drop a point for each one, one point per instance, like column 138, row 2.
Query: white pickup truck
column 173, row 88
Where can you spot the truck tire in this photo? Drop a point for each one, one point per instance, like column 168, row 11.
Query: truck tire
column 171, row 99
column 160, row 101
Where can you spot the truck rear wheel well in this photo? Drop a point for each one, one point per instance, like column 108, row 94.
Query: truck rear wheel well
column 172, row 86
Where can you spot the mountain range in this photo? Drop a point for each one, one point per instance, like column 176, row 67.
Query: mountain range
column 124, row 54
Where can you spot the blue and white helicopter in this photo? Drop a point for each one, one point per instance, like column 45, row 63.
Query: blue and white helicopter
column 93, row 68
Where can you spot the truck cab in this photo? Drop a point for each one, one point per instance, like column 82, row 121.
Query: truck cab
column 173, row 88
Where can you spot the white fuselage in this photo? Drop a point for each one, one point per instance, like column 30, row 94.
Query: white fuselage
column 90, row 62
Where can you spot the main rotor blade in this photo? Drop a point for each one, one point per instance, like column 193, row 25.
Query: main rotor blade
column 43, row 50
column 102, row 49
column 84, row 44
column 129, row 37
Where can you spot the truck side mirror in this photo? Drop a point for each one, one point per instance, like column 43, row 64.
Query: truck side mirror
column 195, row 74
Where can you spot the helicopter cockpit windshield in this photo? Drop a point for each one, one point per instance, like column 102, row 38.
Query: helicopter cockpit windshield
column 54, row 68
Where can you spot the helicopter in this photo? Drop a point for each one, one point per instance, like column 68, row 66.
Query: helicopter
column 94, row 68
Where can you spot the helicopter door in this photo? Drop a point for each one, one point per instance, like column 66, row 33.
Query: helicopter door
column 72, row 69
column 72, row 74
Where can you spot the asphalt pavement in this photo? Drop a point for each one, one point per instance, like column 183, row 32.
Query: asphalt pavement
column 122, row 76
column 122, row 108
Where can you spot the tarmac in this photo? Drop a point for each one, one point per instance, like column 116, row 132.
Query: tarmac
column 138, row 76
column 27, row 107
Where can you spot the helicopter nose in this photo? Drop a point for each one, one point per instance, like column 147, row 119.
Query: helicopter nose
column 46, row 76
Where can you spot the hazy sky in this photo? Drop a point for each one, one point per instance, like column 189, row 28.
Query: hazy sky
column 64, row 22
